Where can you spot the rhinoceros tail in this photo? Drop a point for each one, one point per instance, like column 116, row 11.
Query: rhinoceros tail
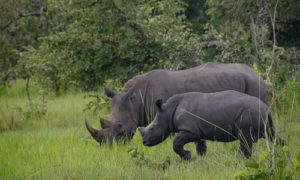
column 280, row 140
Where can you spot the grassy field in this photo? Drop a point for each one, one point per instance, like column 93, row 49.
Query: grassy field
column 57, row 145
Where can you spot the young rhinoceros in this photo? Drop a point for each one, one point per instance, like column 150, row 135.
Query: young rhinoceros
column 222, row 116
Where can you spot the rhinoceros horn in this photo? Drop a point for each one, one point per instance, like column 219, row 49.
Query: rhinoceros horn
column 142, row 130
column 93, row 132
column 109, row 92
column 105, row 123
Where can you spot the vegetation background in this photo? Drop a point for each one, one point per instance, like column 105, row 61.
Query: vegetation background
column 55, row 56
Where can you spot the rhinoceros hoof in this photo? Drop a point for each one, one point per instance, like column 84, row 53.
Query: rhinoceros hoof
column 187, row 155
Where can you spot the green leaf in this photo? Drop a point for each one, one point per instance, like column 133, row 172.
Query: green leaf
column 239, row 175
column 265, row 154
column 281, row 164
column 251, row 164
column 285, row 148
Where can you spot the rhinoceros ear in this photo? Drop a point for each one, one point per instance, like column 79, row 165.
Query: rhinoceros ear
column 109, row 92
column 129, row 94
column 159, row 103
column 105, row 123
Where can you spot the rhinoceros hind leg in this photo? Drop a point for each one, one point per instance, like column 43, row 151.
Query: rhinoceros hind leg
column 201, row 147
column 246, row 145
column 180, row 140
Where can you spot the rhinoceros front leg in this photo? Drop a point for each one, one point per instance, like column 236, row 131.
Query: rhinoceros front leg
column 180, row 140
column 201, row 147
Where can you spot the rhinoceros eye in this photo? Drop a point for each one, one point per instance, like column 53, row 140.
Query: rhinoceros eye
column 119, row 125
column 151, row 129
column 131, row 98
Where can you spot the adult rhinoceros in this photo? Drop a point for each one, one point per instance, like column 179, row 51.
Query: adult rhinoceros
column 135, row 105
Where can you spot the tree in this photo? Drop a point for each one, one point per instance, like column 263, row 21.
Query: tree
column 22, row 22
column 112, row 39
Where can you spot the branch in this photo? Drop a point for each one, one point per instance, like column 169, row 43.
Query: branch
column 134, row 26
column 42, row 9
column 268, row 42
column 6, row 25
column 209, row 44
column 273, row 21
column 39, row 13
column 289, row 21
column 107, row 41
column 139, row 30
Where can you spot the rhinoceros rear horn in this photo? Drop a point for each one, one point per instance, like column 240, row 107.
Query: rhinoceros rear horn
column 105, row 123
column 109, row 92
column 93, row 132
column 142, row 130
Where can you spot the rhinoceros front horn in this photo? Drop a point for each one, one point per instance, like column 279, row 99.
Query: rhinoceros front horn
column 109, row 92
column 93, row 132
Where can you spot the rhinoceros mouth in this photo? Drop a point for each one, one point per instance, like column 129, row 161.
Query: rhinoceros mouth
column 148, row 142
column 119, row 137
column 123, row 137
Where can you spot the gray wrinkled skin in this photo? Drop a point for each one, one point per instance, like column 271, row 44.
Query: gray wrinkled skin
column 131, row 107
column 222, row 116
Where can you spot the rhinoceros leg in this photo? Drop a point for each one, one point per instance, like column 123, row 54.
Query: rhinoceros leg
column 201, row 147
column 246, row 143
column 180, row 140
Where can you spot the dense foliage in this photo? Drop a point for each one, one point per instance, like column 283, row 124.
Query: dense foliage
column 81, row 44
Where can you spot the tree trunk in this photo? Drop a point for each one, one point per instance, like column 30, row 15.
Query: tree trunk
column 27, row 92
column 56, row 88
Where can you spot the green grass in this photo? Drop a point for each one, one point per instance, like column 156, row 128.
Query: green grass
column 57, row 146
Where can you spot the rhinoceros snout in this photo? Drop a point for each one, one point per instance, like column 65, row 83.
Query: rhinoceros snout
column 147, row 143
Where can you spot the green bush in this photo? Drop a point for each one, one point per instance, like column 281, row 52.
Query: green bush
column 287, row 166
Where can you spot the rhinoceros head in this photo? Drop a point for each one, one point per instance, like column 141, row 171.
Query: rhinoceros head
column 123, row 118
column 158, row 130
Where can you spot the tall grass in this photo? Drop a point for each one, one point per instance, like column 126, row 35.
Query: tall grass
column 57, row 145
